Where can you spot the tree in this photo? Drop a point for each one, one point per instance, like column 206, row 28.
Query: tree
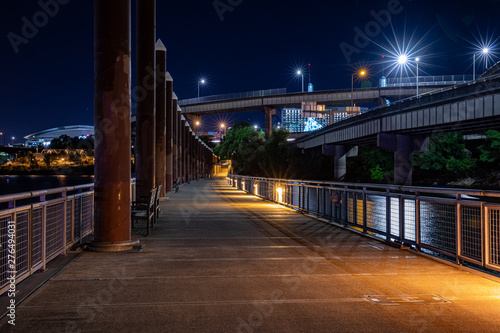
column 273, row 156
column 490, row 152
column 447, row 154
column 62, row 142
column 48, row 159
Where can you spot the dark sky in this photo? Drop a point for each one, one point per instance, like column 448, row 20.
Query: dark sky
column 258, row 45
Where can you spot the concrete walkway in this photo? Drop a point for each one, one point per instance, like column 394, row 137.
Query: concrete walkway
column 223, row 261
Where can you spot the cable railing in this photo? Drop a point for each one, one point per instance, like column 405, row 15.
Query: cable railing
column 257, row 93
column 38, row 226
column 463, row 225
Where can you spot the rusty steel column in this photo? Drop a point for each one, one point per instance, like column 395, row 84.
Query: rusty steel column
column 169, row 169
column 112, row 126
column 190, row 153
column 161, row 121
column 145, row 96
column 183, row 149
column 175, row 135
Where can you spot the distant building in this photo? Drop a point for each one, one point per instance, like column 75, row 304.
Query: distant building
column 294, row 121
column 45, row 137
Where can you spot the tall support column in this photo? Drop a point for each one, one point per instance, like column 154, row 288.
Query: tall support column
column 169, row 168
column 269, row 112
column 112, row 125
column 182, row 143
column 175, row 135
column 145, row 90
column 161, row 120
column 340, row 153
column 403, row 146
column 185, row 160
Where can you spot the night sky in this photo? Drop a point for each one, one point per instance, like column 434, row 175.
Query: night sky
column 252, row 45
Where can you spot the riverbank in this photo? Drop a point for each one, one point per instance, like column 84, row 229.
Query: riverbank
column 82, row 170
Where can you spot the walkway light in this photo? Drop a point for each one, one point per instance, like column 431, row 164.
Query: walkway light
column 279, row 191
column 256, row 190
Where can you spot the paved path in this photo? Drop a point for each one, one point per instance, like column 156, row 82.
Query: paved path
column 223, row 261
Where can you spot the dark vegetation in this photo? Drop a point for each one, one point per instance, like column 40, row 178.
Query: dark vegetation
column 450, row 159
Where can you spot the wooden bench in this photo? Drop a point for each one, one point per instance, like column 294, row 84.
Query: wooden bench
column 145, row 210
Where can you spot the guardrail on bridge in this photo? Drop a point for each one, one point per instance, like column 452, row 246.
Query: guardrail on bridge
column 47, row 224
column 460, row 224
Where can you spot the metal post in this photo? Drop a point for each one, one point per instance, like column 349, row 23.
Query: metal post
column 175, row 136
column 417, row 78
column 388, row 215
column 161, row 121
column 458, row 228
column 169, row 168
column 474, row 67
column 352, row 90
column 112, row 126
column 145, row 90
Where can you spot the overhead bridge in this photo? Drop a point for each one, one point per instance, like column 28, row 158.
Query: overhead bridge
column 404, row 127
column 294, row 100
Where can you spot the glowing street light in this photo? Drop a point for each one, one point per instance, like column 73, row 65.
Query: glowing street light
column 361, row 73
column 301, row 74
column 1, row 133
column 255, row 127
column 196, row 124
column 417, row 61
column 222, row 129
column 402, row 59
column 484, row 52
column 202, row 81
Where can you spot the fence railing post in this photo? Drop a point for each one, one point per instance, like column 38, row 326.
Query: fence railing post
column 458, row 230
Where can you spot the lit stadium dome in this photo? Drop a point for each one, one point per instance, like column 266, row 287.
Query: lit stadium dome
column 45, row 137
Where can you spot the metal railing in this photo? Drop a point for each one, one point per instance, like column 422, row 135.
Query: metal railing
column 460, row 224
column 257, row 93
column 428, row 80
column 47, row 224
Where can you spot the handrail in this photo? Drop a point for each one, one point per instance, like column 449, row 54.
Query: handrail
column 460, row 224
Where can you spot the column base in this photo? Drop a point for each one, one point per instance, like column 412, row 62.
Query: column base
column 112, row 247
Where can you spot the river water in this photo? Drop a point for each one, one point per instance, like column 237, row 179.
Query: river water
column 19, row 184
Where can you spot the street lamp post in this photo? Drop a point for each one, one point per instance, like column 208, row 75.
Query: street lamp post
column 200, row 82
column 485, row 52
column 474, row 67
column 301, row 74
column 1, row 133
column 222, row 130
column 362, row 73
column 417, row 61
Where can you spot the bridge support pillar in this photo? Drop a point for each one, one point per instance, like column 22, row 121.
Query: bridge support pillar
column 161, row 121
column 169, row 168
column 112, row 126
column 403, row 146
column 145, row 88
column 175, row 130
column 269, row 113
column 340, row 153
